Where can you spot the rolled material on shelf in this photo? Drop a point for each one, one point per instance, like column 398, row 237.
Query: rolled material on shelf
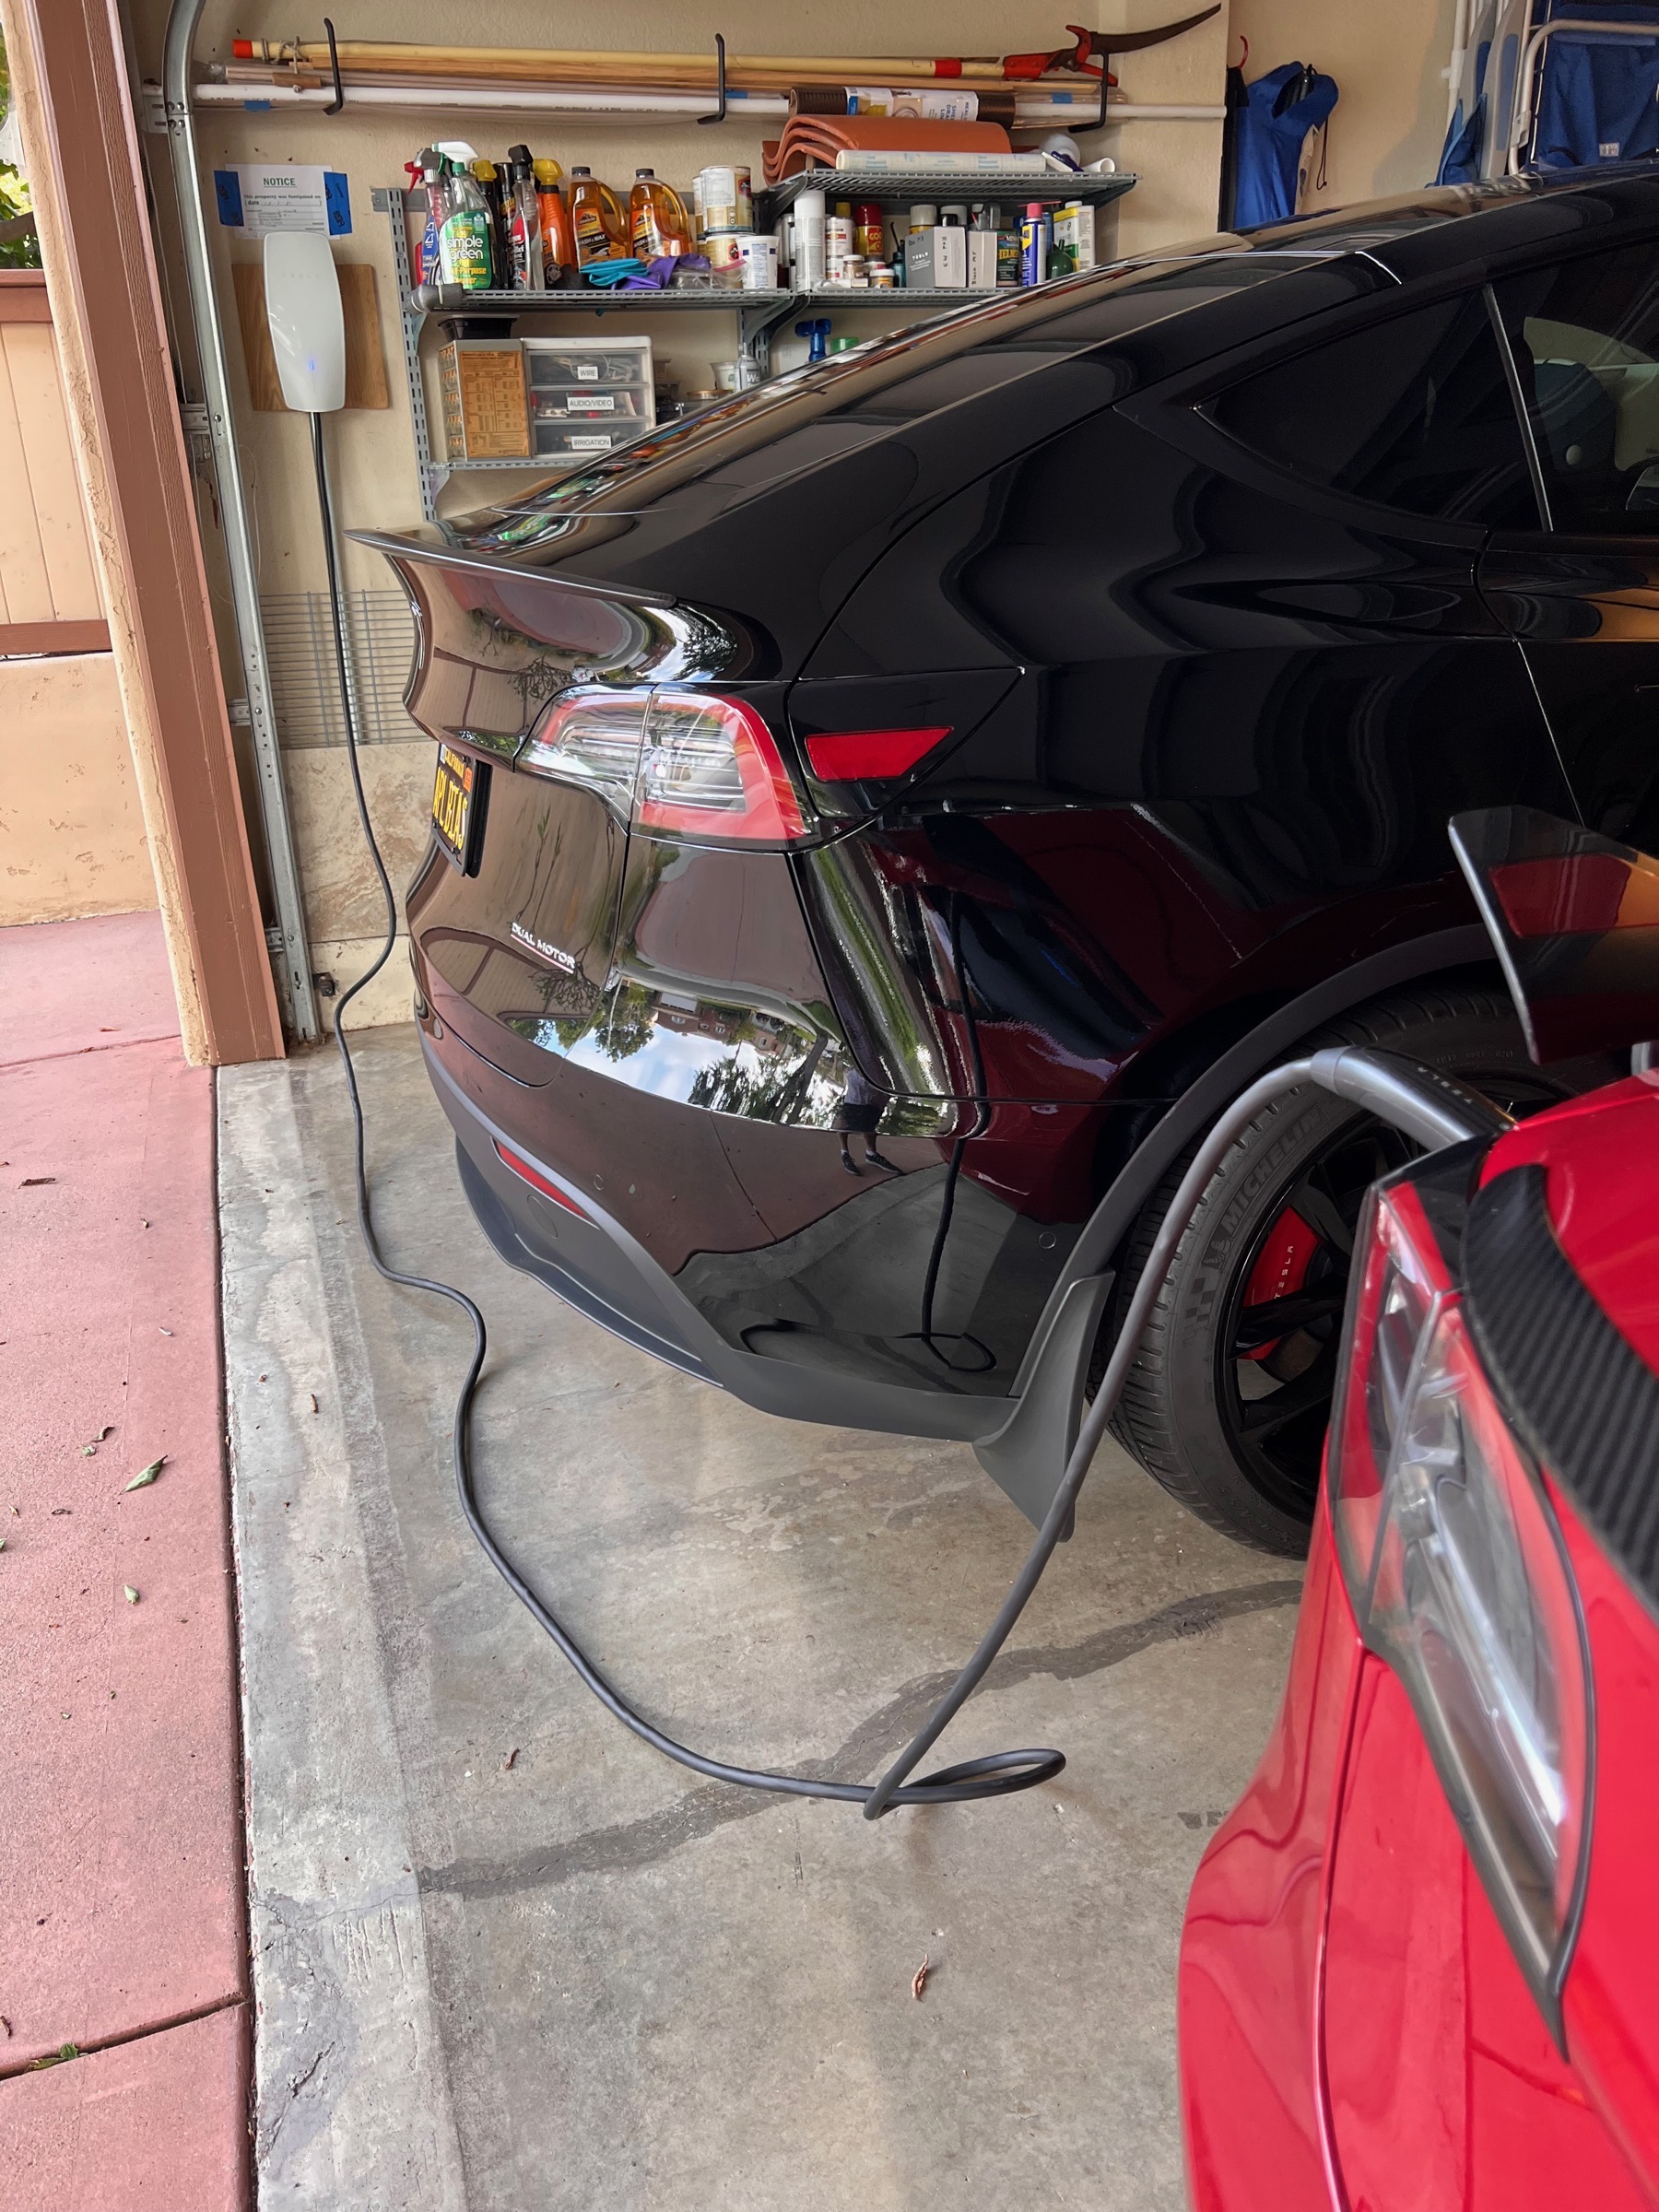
column 989, row 104
column 814, row 141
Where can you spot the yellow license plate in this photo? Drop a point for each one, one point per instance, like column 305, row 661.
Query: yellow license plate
column 457, row 816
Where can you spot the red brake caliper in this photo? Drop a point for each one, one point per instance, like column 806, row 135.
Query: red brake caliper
column 1281, row 1267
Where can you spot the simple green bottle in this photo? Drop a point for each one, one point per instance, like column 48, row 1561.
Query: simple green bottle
column 463, row 246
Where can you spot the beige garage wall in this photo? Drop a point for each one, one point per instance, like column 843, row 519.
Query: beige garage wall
column 374, row 452
column 71, row 836
column 1386, row 57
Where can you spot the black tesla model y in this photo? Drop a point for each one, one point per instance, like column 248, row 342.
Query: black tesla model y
column 882, row 817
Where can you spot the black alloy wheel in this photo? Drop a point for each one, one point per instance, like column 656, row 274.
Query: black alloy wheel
column 1230, row 1395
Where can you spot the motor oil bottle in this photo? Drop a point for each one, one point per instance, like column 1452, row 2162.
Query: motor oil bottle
column 596, row 219
column 524, row 264
column 558, row 241
column 464, row 256
column 657, row 221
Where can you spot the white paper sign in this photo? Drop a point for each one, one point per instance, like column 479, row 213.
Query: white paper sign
column 256, row 198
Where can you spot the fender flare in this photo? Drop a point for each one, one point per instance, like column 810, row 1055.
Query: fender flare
column 1027, row 1454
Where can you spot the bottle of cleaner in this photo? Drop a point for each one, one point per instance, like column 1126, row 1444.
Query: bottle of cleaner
column 558, row 241
column 464, row 256
column 489, row 180
column 426, row 173
column 657, row 221
column 597, row 220
column 526, row 267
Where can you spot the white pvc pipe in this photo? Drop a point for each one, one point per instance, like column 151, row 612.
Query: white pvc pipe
column 1135, row 110
column 1034, row 112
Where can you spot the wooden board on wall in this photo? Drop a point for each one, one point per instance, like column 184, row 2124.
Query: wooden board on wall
column 46, row 572
column 366, row 384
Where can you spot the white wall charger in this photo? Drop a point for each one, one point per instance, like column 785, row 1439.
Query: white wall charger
column 307, row 320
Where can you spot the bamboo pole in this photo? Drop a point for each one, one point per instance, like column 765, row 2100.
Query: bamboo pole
column 672, row 71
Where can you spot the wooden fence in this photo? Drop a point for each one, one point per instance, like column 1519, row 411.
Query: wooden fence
column 49, row 595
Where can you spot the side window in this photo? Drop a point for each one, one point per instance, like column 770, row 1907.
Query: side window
column 1414, row 413
column 1585, row 337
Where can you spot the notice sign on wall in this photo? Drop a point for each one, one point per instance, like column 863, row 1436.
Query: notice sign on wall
column 255, row 199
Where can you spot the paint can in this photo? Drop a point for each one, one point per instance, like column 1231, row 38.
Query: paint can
column 723, row 199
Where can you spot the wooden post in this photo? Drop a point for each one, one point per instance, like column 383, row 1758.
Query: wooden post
column 69, row 82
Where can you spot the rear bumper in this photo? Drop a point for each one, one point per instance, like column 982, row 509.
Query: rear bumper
column 589, row 1259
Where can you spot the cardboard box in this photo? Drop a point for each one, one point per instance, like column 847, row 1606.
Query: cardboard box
column 936, row 261
column 486, row 416
column 982, row 261
column 1074, row 246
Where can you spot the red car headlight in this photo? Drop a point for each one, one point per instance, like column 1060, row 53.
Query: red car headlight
column 1458, row 1577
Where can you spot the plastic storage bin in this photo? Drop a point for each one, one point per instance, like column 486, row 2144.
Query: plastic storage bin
column 585, row 396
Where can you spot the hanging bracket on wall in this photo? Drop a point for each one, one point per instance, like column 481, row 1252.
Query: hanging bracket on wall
column 720, row 82
column 338, row 101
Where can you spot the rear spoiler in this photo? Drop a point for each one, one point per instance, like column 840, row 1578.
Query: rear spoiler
column 1574, row 918
column 400, row 547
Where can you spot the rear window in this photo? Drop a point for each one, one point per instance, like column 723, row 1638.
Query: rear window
column 1414, row 414
column 777, row 428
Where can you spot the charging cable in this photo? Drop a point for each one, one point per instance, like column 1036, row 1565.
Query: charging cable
column 1433, row 1108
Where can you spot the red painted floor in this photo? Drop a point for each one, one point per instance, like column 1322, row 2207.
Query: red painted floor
column 120, row 1895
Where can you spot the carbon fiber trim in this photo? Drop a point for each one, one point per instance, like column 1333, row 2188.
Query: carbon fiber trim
column 1586, row 1404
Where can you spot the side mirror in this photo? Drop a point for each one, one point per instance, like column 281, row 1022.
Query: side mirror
column 1574, row 918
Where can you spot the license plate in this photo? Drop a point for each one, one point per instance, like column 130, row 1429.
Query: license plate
column 458, row 807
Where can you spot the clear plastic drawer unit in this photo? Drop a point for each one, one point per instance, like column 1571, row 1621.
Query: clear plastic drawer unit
column 584, row 396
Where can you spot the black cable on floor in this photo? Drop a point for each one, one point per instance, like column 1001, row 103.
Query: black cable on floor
column 995, row 1773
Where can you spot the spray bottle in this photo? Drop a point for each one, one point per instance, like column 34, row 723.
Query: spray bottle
column 427, row 171
column 525, row 232
column 463, row 235
column 498, row 202
column 558, row 241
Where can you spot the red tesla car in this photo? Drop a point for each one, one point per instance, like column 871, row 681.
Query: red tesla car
column 1420, row 1965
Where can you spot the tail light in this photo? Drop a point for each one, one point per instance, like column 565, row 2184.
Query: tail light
column 592, row 738
column 688, row 761
column 1459, row 1580
column 711, row 768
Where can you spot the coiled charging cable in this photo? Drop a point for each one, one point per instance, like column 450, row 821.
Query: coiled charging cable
column 1433, row 1108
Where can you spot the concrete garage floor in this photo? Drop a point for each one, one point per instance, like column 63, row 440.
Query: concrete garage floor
column 508, row 1959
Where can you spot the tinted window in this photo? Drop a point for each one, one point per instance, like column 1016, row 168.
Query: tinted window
column 1585, row 336
column 1414, row 413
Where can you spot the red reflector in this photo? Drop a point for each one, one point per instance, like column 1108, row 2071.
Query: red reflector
column 851, row 755
column 1579, row 893
column 536, row 1181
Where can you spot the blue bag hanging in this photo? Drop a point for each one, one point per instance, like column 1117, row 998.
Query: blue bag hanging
column 1280, row 108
